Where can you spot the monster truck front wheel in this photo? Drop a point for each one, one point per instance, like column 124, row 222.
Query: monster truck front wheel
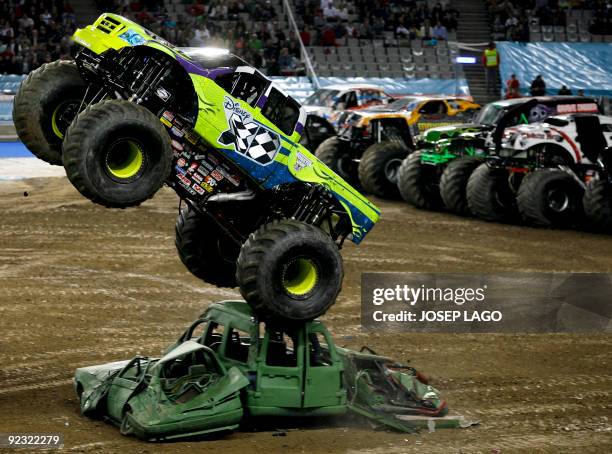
column 205, row 250
column 45, row 105
column 597, row 203
column 334, row 154
column 117, row 153
column 289, row 270
column 453, row 183
column 489, row 195
column 550, row 198
column 379, row 168
column 418, row 183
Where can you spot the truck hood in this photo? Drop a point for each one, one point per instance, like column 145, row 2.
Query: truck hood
column 447, row 132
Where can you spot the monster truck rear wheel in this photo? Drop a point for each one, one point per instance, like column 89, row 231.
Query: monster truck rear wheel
column 207, row 252
column 598, row 203
column 289, row 270
column 379, row 168
column 489, row 195
column 334, row 154
column 453, row 183
column 117, row 153
column 418, row 183
column 549, row 198
column 45, row 105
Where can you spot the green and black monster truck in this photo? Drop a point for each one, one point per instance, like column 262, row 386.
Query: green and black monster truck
column 436, row 175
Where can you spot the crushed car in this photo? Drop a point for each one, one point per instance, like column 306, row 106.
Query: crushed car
column 372, row 143
column 134, row 112
column 228, row 366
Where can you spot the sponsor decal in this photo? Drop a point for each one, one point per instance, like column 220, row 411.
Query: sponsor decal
column 197, row 177
column 177, row 132
column 163, row 94
column 249, row 138
column 216, row 175
column 165, row 122
column 301, row 162
column 198, row 189
column 168, row 115
column 184, row 179
column 181, row 162
column 177, row 145
column 132, row 38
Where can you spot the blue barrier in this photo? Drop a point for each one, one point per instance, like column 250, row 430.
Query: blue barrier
column 584, row 66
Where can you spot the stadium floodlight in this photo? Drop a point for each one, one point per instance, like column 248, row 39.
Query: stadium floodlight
column 206, row 52
column 466, row 60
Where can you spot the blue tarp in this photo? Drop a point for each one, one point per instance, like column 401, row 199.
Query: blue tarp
column 14, row 150
column 586, row 66
column 300, row 87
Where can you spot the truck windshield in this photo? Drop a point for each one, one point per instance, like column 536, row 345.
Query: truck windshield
column 282, row 111
column 324, row 97
column 489, row 114
column 403, row 104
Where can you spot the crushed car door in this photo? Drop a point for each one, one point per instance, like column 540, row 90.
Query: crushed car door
column 123, row 386
column 323, row 384
column 280, row 370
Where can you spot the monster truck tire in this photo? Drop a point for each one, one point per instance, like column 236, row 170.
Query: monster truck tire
column 453, row 183
column 290, row 271
column 379, row 168
column 332, row 152
column 489, row 195
column 205, row 250
column 117, row 153
column 597, row 203
column 416, row 183
column 45, row 105
column 550, row 198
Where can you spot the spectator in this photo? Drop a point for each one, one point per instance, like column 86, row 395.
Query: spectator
column 513, row 87
column 564, row 91
column 286, row 62
column 490, row 61
column 440, row 32
column 538, row 86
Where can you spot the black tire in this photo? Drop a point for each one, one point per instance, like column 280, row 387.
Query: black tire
column 453, row 183
column 418, row 183
column 316, row 131
column 489, row 195
column 334, row 154
column 289, row 271
column 597, row 203
column 45, row 104
column 117, row 153
column 205, row 250
column 550, row 198
column 379, row 168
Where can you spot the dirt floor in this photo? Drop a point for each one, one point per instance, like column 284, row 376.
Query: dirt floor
column 81, row 285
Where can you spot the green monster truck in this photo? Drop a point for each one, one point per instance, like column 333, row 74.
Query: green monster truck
column 133, row 112
column 436, row 175
column 227, row 367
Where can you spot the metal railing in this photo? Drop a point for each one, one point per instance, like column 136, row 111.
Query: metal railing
column 310, row 71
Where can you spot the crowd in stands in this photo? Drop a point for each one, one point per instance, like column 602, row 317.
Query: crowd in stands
column 268, row 47
column 329, row 21
column 511, row 18
column 33, row 32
